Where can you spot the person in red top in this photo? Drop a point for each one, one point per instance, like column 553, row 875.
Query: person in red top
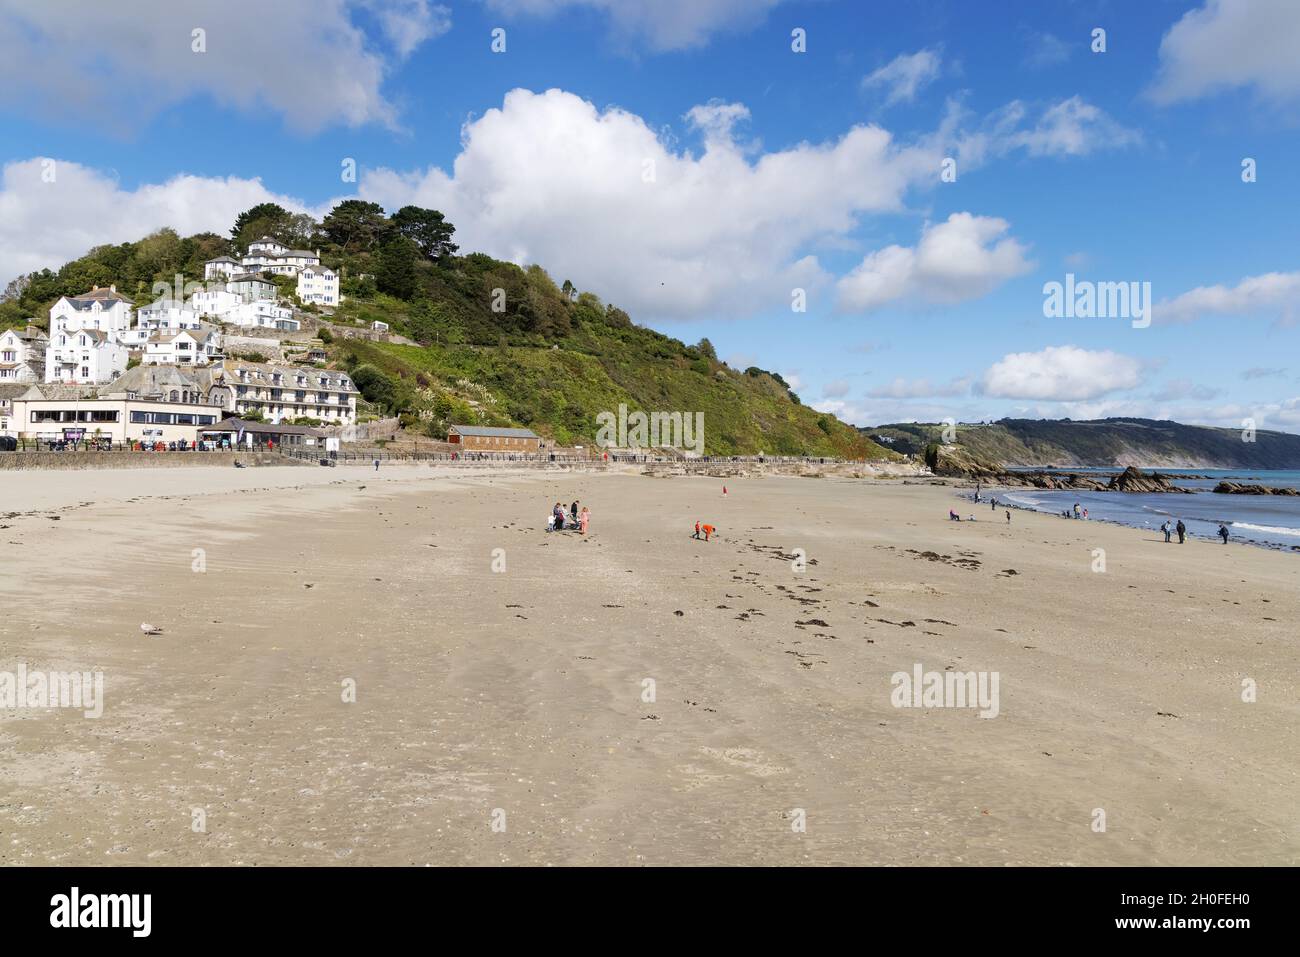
column 697, row 530
column 708, row 530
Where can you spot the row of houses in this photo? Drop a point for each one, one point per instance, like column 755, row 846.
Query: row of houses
column 167, row 403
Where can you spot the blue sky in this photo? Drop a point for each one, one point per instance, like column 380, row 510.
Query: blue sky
column 773, row 170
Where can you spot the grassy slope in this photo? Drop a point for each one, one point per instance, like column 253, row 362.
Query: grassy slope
column 559, row 393
column 1107, row 442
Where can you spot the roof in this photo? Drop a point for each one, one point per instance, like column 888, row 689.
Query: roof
column 495, row 433
column 232, row 424
column 153, row 380
column 31, row 333
column 13, row 390
column 250, row 277
column 110, row 294
column 224, row 259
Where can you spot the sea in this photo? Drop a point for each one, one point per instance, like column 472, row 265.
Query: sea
column 1272, row 521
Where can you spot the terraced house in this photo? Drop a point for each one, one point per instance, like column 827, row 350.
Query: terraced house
column 281, row 392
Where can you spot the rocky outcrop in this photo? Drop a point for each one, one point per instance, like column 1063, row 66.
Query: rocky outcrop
column 953, row 460
column 1133, row 479
column 1235, row 488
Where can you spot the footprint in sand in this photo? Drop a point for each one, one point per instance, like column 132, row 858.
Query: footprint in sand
column 746, row 759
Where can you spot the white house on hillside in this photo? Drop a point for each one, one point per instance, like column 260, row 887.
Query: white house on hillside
column 269, row 255
column 85, row 357
column 22, row 355
column 184, row 347
column 223, row 267
column 216, row 303
column 87, row 333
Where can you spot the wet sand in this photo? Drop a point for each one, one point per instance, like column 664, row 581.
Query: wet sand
column 517, row 698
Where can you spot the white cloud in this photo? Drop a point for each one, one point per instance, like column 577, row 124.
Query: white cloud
column 598, row 198
column 116, row 64
column 963, row 258
column 409, row 23
column 836, row 389
column 1274, row 291
column 44, row 224
column 1231, row 44
column 1072, row 127
column 661, row 24
column 905, row 76
column 1060, row 373
column 728, row 230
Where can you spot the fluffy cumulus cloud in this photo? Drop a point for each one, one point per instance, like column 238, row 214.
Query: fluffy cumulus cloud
column 1061, row 373
column 1274, row 293
column 658, row 24
column 962, row 258
column 44, row 222
column 905, row 76
column 1231, row 44
column 118, row 63
column 598, row 198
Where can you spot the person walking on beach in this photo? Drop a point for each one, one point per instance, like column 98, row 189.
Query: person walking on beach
column 1223, row 532
column 1166, row 529
column 376, row 465
column 583, row 518
column 1008, row 516
column 1182, row 531
column 573, row 514
column 697, row 530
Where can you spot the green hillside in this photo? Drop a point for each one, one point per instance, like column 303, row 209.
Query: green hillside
column 1101, row 443
column 497, row 344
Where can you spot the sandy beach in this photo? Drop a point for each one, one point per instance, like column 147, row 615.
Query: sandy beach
column 504, row 716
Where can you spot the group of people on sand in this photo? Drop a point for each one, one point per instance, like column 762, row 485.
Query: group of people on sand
column 954, row 517
column 575, row 519
column 706, row 530
column 1181, row 530
column 1076, row 512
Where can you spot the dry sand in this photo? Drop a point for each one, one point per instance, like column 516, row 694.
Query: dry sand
column 517, row 696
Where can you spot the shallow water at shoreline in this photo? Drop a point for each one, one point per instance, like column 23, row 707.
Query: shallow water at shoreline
column 1266, row 520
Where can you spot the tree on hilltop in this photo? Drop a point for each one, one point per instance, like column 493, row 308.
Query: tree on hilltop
column 427, row 228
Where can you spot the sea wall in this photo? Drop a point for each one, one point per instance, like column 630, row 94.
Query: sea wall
column 139, row 460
